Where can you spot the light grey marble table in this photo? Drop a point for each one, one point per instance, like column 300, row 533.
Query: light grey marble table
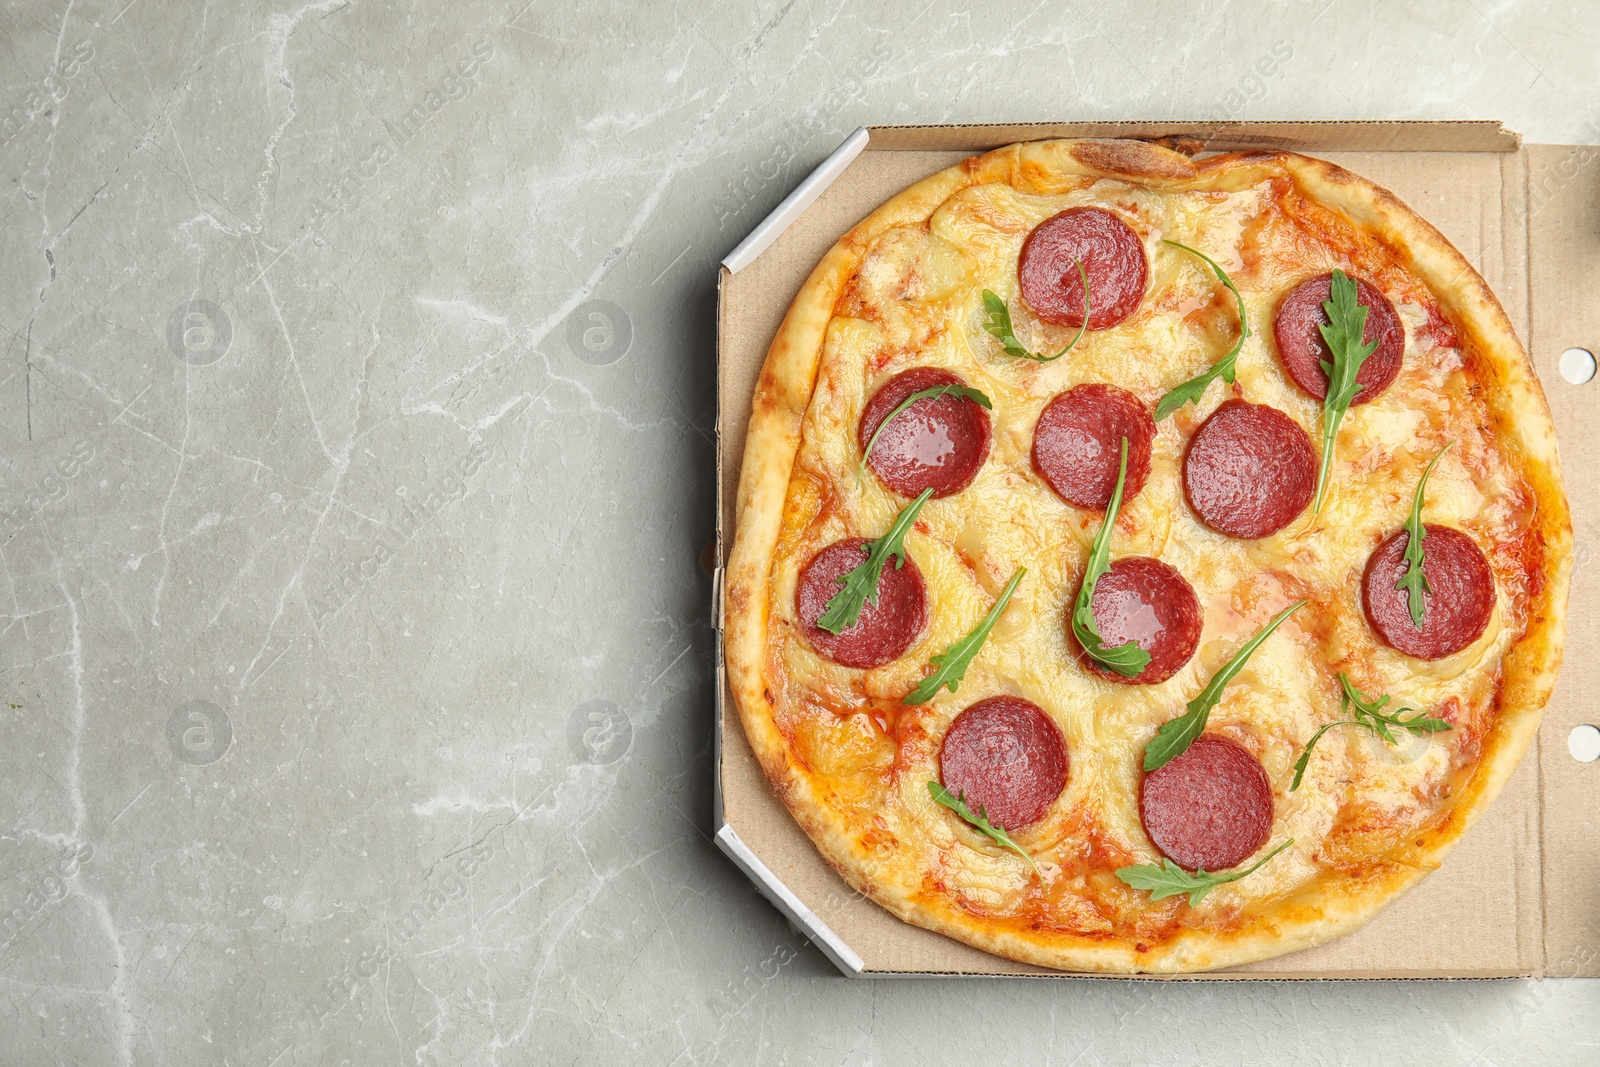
column 357, row 676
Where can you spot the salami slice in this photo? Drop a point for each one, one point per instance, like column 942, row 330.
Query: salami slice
column 1111, row 253
column 1302, row 350
column 1145, row 601
column 885, row 629
column 1006, row 757
column 1077, row 444
column 936, row 444
column 1455, row 613
column 1249, row 470
column 1209, row 808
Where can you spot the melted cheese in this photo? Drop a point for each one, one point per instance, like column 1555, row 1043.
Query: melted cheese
column 916, row 302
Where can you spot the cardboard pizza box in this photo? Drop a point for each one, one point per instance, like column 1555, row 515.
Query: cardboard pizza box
column 1520, row 893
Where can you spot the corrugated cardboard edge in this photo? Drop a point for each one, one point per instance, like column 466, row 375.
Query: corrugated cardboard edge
column 1321, row 136
column 804, row 195
column 793, row 909
column 1315, row 136
column 720, row 677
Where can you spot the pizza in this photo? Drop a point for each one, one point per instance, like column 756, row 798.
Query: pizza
column 1144, row 563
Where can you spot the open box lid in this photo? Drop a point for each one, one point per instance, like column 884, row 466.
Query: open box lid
column 1520, row 893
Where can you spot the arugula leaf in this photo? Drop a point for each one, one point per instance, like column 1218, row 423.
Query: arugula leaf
column 1372, row 708
column 1370, row 715
column 1127, row 659
column 1176, row 735
column 1192, row 390
column 932, row 393
column 953, row 661
column 958, row 804
column 1168, row 879
column 861, row 582
column 999, row 323
column 1347, row 323
column 1304, row 761
column 1414, row 581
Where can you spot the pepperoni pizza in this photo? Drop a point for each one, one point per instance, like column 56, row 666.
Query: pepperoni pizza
column 1144, row 563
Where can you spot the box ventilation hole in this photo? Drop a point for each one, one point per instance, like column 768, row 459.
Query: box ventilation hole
column 1584, row 743
column 1577, row 365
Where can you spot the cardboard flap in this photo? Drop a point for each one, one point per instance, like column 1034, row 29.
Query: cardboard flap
column 1563, row 224
column 1216, row 136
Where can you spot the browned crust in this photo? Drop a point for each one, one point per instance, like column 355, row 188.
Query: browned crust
column 1132, row 159
column 1523, row 422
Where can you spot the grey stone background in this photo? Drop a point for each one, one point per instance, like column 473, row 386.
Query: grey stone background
column 355, row 649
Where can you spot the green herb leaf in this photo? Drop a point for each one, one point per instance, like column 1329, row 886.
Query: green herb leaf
column 1192, row 390
column 1168, row 879
column 1127, row 659
column 952, row 662
column 861, row 583
column 932, row 393
column 1371, row 709
column 1414, row 582
column 1369, row 714
column 958, row 804
column 1176, row 735
column 999, row 323
column 1347, row 322
column 1304, row 761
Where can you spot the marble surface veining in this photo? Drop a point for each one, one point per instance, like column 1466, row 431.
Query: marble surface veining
column 356, row 414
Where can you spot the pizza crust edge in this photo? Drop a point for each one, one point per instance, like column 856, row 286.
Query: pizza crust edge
column 772, row 443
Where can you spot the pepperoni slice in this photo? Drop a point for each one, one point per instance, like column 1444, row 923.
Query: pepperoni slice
column 1301, row 348
column 1454, row 614
column 1249, row 470
column 885, row 629
column 1111, row 253
column 1145, row 601
column 1004, row 755
column 1209, row 808
column 1077, row 444
column 933, row 444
